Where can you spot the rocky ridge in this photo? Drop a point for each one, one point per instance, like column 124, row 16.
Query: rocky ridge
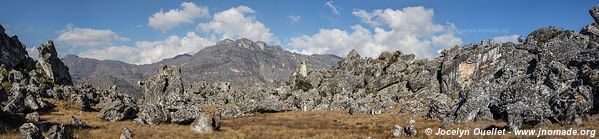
column 235, row 61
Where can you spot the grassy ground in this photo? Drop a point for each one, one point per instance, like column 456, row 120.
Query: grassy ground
column 320, row 124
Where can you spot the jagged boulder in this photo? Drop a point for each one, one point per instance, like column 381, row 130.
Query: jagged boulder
column 165, row 100
column 23, row 99
column 33, row 117
column 60, row 132
column 52, row 66
column 205, row 124
column 127, row 134
column 77, row 123
column 118, row 107
column 595, row 13
column 14, row 55
column 408, row 130
column 30, row 131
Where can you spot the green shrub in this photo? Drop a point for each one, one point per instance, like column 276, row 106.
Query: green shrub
column 3, row 72
column 420, row 62
column 6, row 86
column 302, row 84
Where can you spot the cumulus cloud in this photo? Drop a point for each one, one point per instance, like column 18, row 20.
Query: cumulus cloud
column 294, row 18
column 509, row 38
column 88, row 37
column 166, row 20
column 235, row 23
column 146, row 52
column 32, row 52
column 121, row 53
column 334, row 9
column 410, row 30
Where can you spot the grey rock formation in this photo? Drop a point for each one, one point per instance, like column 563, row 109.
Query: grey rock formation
column 595, row 13
column 118, row 107
column 408, row 130
column 14, row 55
column 165, row 100
column 127, row 134
column 30, row 131
column 52, row 66
column 77, row 123
column 33, row 117
column 203, row 124
column 60, row 132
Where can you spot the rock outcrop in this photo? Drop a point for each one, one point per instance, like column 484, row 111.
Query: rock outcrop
column 118, row 107
column 30, row 131
column 165, row 100
column 204, row 124
column 52, row 66
column 60, row 132
column 127, row 134
column 408, row 130
column 14, row 55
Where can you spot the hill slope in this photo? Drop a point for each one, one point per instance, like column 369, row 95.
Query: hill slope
column 237, row 61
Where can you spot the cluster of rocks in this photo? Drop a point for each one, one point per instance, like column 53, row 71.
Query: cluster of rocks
column 164, row 99
column 30, row 131
column 27, row 82
column 24, row 80
column 408, row 130
column 551, row 77
column 117, row 107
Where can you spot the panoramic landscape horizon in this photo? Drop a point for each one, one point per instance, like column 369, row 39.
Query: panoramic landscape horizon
column 299, row 69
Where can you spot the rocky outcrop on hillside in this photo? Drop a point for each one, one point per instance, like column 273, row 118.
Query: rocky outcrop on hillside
column 165, row 100
column 52, row 66
column 14, row 55
column 235, row 61
column 117, row 107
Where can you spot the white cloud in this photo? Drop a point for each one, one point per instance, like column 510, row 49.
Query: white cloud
column 334, row 9
column 121, row 53
column 509, row 38
column 294, row 18
column 88, row 37
column 146, row 52
column 32, row 52
column 166, row 20
column 410, row 30
column 234, row 23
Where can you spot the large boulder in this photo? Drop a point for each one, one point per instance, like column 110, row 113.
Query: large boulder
column 205, row 124
column 60, row 132
column 164, row 99
column 30, row 131
column 118, row 107
column 127, row 134
column 14, row 55
column 595, row 13
column 52, row 66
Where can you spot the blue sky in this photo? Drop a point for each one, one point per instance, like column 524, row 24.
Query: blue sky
column 335, row 22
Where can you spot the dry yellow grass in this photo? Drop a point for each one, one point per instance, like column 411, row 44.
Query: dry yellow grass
column 320, row 124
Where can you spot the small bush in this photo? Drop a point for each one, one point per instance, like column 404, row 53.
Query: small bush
column 420, row 62
column 6, row 86
column 3, row 72
column 302, row 84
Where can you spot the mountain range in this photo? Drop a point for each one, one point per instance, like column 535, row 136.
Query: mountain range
column 239, row 62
